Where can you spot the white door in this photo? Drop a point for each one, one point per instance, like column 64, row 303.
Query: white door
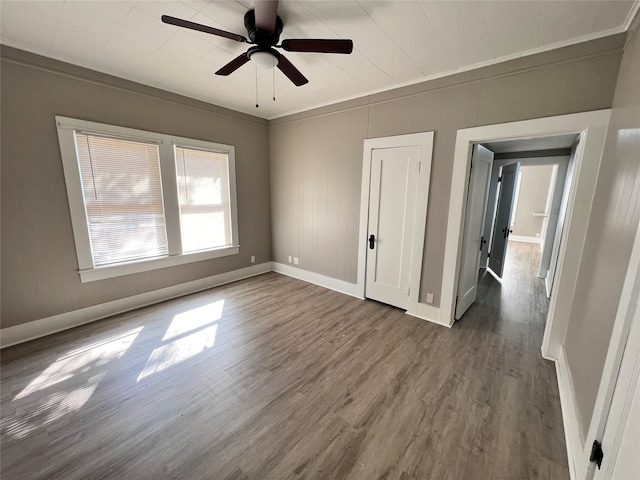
column 392, row 203
column 555, row 249
column 558, row 183
column 472, row 240
column 502, row 224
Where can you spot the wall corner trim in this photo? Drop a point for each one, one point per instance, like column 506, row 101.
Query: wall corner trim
column 46, row 326
column 317, row 279
column 429, row 313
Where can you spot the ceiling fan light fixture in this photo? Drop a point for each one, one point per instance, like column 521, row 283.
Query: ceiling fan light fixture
column 264, row 59
column 264, row 27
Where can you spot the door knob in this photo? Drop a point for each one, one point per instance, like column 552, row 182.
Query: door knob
column 372, row 239
column 482, row 242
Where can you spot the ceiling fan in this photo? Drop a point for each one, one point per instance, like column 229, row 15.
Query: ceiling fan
column 264, row 27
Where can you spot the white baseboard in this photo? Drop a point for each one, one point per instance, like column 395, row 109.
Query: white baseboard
column 522, row 238
column 429, row 313
column 547, row 285
column 546, row 354
column 573, row 438
column 46, row 326
column 317, row 279
column 56, row 323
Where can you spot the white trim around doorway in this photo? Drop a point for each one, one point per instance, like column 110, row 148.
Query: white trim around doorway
column 592, row 127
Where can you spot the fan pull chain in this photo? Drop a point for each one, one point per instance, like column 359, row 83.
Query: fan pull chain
column 257, row 106
column 273, row 70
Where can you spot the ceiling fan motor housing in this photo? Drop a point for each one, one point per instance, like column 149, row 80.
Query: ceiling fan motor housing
column 261, row 38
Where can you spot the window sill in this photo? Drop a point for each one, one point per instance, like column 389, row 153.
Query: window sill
column 111, row 271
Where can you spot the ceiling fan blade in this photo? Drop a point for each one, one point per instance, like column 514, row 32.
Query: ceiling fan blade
column 202, row 28
column 233, row 65
column 289, row 70
column 266, row 12
column 317, row 45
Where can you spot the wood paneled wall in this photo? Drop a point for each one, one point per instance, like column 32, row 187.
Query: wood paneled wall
column 39, row 264
column 316, row 156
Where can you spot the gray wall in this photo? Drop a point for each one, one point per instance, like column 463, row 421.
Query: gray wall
column 612, row 227
column 316, row 156
column 39, row 263
column 532, row 198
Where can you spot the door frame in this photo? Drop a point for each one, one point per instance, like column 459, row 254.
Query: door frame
column 592, row 128
column 425, row 141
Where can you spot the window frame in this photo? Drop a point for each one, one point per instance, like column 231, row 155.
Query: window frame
column 166, row 149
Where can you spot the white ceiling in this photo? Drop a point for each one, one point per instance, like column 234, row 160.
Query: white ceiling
column 395, row 42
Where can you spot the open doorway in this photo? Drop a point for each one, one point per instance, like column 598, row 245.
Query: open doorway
column 591, row 128
column 547, row 168
column 518, row 192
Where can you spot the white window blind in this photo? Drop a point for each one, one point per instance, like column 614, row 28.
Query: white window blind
column 123, row 198
column 203, row 190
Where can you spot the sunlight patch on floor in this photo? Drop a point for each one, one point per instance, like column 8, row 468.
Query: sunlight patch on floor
column 195, row 318
column 179, row 350
column 29, row 418
column 81, row 360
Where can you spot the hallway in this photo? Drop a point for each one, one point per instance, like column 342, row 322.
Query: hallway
column 508, row 321
column 519, row 297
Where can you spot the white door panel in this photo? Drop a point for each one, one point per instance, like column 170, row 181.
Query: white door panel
column 481, row 164
column 555, row 249
column 392, row 203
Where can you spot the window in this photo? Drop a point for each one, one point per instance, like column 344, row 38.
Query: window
column 203, row 189
column 122, row 198
column 141, row 201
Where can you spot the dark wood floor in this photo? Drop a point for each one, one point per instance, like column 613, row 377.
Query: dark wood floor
column 274, row 378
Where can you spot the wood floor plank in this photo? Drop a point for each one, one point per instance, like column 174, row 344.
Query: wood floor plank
column 274, row 378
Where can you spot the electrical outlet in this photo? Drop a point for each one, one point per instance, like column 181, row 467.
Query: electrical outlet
column 290, row 259
column 296, row 260
column 253, row 259
column 429, row 297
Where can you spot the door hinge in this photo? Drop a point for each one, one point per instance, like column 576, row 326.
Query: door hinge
column 419, row 166
column 596, row 453
column 499, row 178
column 407, row 291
